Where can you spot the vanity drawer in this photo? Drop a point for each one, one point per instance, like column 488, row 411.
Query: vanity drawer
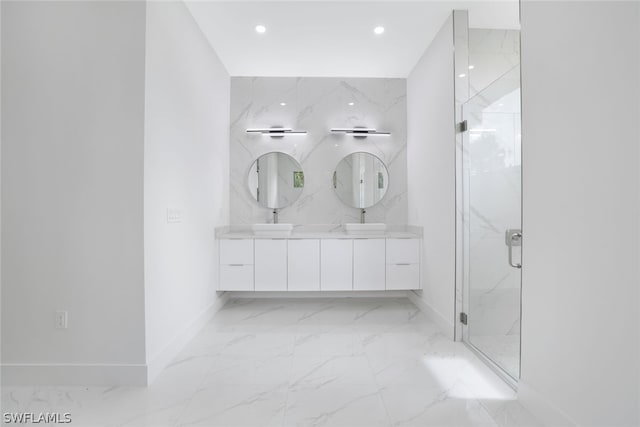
column 236, row 277
column 403, row 251
column 403, row 276
column 236, row 251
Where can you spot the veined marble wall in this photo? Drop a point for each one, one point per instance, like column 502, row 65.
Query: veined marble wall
column 492, row 53
column 316, row 105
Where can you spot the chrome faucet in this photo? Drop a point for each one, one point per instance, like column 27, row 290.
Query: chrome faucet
column 275, row 216
column 362, row 212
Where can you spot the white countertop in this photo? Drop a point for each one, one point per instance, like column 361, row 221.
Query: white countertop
column 320, row 231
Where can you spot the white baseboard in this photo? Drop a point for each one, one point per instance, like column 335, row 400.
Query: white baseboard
column 73, row 374
column 318, row 294
column 445, row 326
column 30, row 374
column 541, row 408
column 164, row 357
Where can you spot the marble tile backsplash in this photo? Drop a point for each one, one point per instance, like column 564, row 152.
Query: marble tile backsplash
column 316, row 105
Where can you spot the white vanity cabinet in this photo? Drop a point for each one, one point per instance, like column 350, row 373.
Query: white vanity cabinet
column 236, row 265
column 303, row 267
column 320, row 263
column 403, row 264
column 369, row 264
column 271, row 264
column 336, row 265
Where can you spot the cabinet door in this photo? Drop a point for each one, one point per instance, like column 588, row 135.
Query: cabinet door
column 236, row 251
column 270, row 265
column 336, row 265
column 236, row 277
column 304, row 265
column 369, row 264
column 403, row 251
column 403, row 276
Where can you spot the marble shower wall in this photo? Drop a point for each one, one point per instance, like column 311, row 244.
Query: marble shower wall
column 492, row 53
column 316, row 105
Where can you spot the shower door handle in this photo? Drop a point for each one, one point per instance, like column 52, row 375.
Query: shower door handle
column 513, row 236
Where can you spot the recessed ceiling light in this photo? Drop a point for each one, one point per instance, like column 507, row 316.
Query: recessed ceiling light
column 261, row 29
column 462, row 75
column 351, row 104
column 378, row 30
column 283, row 104
column 471, row 67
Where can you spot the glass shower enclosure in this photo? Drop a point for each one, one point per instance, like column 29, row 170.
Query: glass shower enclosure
column 491, row 199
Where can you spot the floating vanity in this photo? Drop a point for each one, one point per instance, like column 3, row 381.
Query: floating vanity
column 319, row 258
column 350, row 257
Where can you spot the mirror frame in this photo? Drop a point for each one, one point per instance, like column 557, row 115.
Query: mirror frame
column 295, row 178
column 386, row 186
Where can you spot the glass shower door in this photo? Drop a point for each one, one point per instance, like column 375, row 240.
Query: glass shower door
column 492, row 212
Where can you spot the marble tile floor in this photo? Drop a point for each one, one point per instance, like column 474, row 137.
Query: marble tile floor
column 301, row 362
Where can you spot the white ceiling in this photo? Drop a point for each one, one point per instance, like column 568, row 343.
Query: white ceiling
column 334, row 38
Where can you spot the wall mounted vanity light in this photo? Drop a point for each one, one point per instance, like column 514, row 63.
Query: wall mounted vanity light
column 359, row 131
column 277, row 131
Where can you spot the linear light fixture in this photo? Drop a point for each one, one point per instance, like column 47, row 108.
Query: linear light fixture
column 277, row 131
column 359, row 131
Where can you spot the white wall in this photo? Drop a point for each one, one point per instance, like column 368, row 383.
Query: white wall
column 317, row 104
column 72, row 183
column 186, row 164
column 0, row 182
column 581, row 190
column 431, row 171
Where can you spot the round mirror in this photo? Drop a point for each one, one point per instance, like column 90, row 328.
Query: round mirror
column 275, row 180
column 361, row 180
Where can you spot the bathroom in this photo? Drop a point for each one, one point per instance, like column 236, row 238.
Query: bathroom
column 352, row 223
column 150, row 276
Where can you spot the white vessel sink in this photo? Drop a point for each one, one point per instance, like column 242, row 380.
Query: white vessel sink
column 359, row 229
column 272, row 229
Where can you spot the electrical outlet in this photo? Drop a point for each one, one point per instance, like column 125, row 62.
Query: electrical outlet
column 62, row 319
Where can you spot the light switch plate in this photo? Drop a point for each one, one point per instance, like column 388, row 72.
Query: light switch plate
column 174, row 215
